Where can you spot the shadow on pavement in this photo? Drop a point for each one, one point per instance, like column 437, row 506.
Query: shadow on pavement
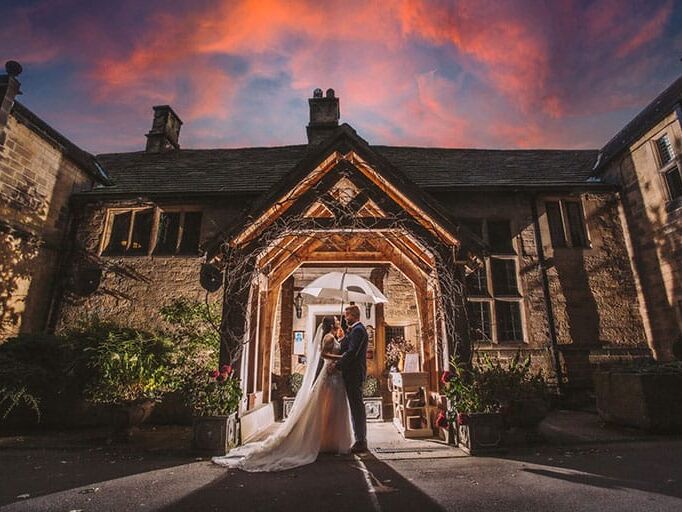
column 331, row 483
column 39, row 471
column 614, row 466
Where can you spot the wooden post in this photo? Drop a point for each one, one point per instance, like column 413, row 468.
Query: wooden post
column 376, row 277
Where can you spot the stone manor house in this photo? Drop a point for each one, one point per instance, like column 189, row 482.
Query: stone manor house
column 571, row 256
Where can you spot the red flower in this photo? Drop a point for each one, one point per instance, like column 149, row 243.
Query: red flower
column 446, row 376
column 220, row 377
column 215, row 374
column 442, row 420
column 226, row 368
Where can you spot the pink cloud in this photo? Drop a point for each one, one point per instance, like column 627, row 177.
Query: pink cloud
column 426, row 72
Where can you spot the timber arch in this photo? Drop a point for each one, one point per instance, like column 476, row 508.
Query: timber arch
column 343, row 206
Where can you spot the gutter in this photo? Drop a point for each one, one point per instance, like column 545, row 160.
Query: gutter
column 553, row 343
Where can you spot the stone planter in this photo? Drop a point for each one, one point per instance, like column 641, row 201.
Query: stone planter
column 480, row 433
column 127, row 418
column 215, row 435
column 287, row 404
column 374, row 409
column 649, row 401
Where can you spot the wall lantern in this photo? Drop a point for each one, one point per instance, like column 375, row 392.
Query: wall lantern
column 298, row 304
column 368, row 310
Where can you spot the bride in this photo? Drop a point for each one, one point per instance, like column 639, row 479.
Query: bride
column 319, row 420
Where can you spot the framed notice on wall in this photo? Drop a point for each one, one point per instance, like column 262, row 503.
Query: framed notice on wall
column 299, row 342
column 411, row 363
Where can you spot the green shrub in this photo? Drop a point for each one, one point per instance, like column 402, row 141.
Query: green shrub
column 128, row 365
column 32, row 368
column 491, row 385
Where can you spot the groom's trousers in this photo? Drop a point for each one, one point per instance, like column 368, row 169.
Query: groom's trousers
column 357, row 410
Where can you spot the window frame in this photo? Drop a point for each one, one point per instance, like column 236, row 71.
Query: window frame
column 153, row 232
column 664, row 168
column 566, row 223
column 490, row 297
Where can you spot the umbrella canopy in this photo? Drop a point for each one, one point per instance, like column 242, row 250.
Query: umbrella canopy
column 346, row 288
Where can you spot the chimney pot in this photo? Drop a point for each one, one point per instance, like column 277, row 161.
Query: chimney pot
column 165, row 133
column 13, row 68
column 324, row 116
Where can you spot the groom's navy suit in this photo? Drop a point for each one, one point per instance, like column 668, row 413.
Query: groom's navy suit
column 353, row 365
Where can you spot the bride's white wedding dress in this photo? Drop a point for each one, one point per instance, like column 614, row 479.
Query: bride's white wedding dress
column 319, row 421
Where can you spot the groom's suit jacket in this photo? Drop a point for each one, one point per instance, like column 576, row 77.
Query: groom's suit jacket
column 353, row 362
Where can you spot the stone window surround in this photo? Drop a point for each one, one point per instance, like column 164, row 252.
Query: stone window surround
column 546, row 229
column 491, row 298
column 676, row 161
column 157, row 210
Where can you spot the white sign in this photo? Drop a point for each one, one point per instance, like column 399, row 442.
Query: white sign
column 411, row 363
column 299, row 342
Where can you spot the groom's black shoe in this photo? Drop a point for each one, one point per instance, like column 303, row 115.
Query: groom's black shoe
column 359, row 448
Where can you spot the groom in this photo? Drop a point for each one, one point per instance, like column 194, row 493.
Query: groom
column 353, row 366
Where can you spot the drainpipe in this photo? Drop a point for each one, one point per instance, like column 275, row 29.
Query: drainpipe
column 548, row 303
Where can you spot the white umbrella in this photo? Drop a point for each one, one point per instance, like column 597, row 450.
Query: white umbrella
column 346, row 288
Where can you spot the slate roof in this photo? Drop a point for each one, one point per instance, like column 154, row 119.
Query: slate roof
column 80, row 157
column 652, row 114
column 256, row 170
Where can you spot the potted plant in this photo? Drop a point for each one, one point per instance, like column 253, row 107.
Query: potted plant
column 522, row 394
column 294, row 382
column 130, row 371
column 473, row 410
column 373, row 403
column 646, row 396
column 214, row 399
column 491, row 396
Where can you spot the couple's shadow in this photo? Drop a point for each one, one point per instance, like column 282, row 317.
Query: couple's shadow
column 332, row 482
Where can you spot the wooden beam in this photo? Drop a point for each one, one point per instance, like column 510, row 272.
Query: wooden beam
column 266, row 340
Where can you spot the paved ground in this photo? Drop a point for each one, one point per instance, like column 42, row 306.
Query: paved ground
column 592, row 469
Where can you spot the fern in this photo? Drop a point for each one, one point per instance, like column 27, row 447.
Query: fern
column 10, row 398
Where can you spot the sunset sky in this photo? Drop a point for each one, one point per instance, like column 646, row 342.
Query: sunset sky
column 507, row 74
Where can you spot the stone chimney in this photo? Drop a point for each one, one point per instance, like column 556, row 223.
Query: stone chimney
column 165, row 131
column 9, row 89
column 324, row 116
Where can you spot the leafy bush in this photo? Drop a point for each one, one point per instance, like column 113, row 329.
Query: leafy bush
column 107, row 363
column 370, row 387
column 31, row 369
column 491, row 385
column 214, row 394
column 128, row 365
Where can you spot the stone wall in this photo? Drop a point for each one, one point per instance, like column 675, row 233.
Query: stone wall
column 592, row 290
column 654, row 232
column 134, row 288
column 36, row 181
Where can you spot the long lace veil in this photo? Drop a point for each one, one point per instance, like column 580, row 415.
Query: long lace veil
column 256, row 456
